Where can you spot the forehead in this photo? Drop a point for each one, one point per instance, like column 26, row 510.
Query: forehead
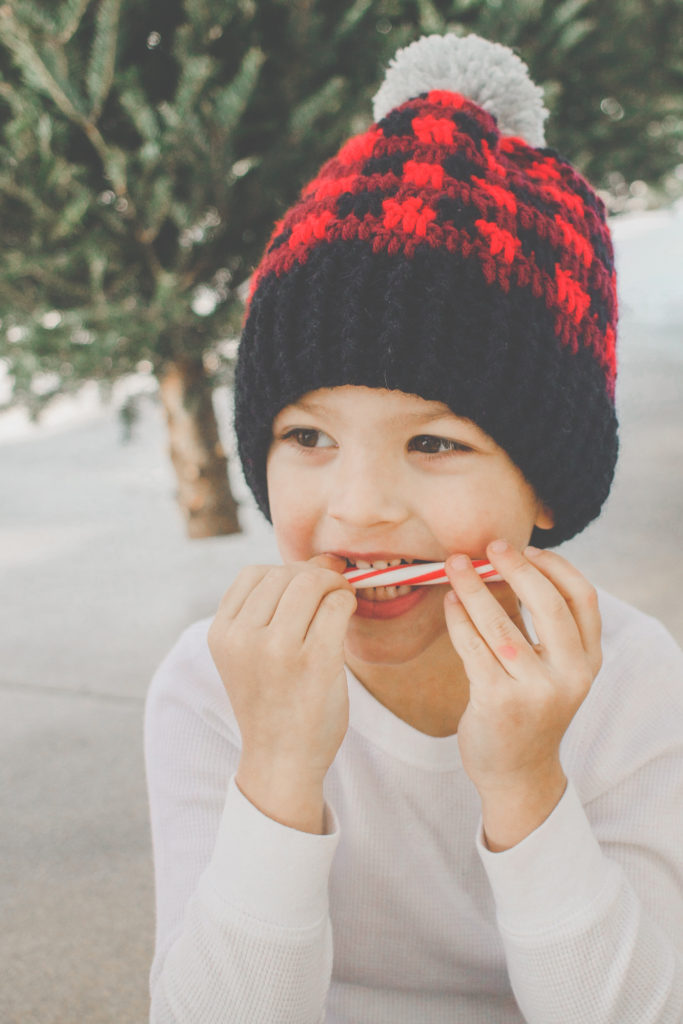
column 349, row 402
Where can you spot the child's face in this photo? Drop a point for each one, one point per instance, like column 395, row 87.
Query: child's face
column 362, row 471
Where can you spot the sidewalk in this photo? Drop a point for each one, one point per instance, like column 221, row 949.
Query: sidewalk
column 100, row 580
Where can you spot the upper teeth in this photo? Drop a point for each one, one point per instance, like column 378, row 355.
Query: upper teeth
column 360, row 564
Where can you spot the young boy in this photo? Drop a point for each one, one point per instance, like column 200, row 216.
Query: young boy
column 431, row 804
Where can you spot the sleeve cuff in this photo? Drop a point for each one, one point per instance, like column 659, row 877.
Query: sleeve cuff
column 553, row 875
column 267, row 870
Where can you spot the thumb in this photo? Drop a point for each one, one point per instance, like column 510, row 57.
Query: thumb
column 328, row 561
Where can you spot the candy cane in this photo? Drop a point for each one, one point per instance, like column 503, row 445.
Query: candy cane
column 419, row 575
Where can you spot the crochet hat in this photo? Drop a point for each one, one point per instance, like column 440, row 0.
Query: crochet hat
column 446, row 253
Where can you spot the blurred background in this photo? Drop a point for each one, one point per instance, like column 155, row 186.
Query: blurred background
column 145, row 152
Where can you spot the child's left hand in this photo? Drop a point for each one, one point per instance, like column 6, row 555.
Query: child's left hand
column 522, row 696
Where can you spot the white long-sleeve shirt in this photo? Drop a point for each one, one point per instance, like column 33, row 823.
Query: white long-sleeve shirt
column 399, row 914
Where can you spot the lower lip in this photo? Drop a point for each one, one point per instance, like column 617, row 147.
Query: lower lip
column 390, row 609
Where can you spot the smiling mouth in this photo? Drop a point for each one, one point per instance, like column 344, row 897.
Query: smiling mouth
column 380, row 594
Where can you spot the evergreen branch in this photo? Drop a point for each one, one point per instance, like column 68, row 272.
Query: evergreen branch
column 38, row 75
column 232, row 100
column 13, row 190
column 17, row 269
column 145, row 120
column 71, row 215
column 430, row 19
column 35, row 68
column 36, row 17
column 103, row 55
column 353, row 17
column 71, row 17
column 327, row 99
column 567, row 11
column 12, row 98
column 196, row 72
column 157, row 208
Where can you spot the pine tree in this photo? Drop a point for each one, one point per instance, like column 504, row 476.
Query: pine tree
column 147, row 149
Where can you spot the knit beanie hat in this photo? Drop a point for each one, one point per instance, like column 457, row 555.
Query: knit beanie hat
column 447, row 253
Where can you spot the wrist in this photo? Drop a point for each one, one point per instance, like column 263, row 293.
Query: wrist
column 288, row 793
column 515, row 807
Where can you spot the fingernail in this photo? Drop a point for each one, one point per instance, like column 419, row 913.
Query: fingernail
column 458, row 563
column 532, row 552
column 498, row 547
column 452, row 597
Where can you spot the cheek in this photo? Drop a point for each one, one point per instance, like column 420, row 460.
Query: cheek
column 293, row 512
column 472, row 517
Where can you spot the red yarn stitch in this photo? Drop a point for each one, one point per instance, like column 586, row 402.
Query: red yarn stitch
column 510, row 143
column 571, row 295
column 609, row 354
column 543, row 170
column 359, row 147
column 500, row 241
column 335, row 186
column 434, row 129
column 567, row 199
column 309, row 228
column 410, row 214
column 445, row 98
column 572, row 238
column 500, row 196
column 417, row 173
column 494, row 166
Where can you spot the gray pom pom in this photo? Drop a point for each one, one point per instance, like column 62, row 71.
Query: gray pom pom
column 487, row 73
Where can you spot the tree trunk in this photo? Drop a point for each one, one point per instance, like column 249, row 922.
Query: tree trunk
column 196, row 452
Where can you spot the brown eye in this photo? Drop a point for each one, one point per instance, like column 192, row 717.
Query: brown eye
column 429, row 445
column 306, row 437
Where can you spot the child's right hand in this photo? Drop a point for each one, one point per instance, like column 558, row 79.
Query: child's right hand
column 277, row 641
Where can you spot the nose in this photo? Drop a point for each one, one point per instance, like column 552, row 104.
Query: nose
column 366, row 491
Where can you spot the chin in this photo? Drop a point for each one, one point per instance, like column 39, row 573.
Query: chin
column 378, row 650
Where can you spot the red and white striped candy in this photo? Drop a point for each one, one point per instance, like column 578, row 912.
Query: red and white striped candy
column 419, row 575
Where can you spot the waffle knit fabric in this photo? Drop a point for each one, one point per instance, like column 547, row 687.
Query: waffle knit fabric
column 440, row 257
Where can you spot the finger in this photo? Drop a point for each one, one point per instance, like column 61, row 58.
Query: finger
column 580, row 596
column 234, row 598
column 553, row 620
column 328, row 561
column 331, row 620
column 301, row 599
column 504, row 639
column 258, row 589
column 481, row 664
column 259, row 606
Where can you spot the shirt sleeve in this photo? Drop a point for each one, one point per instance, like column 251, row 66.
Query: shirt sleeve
column 590, row 905
column 243, row 928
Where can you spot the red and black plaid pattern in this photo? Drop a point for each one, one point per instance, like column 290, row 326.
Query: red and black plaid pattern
column 436, row 173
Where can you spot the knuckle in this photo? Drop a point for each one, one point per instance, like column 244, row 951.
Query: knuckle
column 473, row 644
column 275, row 650
column 236, row 642
column 500, row 628
column 307, row 577
column 328, row 577
column 555, row 606
column 338, row 597
column 252, row 573
column 523, row 568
